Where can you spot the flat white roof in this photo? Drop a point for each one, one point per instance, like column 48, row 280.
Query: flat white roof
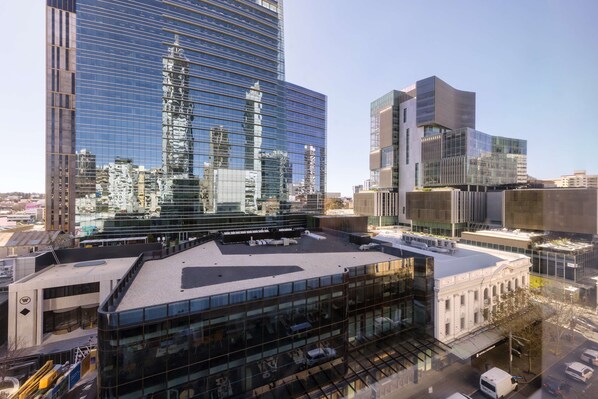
column 160, row 281
column 465, row 259
column 68, row 273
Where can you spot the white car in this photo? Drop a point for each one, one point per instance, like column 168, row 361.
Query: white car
column 579, row 371
column 319, row 355
column 590, row 356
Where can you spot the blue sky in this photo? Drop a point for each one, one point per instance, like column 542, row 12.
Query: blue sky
column 533, row 65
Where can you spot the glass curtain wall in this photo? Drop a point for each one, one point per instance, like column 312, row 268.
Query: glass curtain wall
column 183, row 123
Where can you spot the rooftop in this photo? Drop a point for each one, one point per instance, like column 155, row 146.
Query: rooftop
column 565, row 245
column 213, row 268
column 465, row 259
column 510, row 234
column 78, row 272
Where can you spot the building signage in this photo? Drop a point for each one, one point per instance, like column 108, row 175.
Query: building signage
column 25, row 300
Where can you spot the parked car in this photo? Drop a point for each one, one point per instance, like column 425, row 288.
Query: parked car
column 554, row 387
column 319, row 355
column 579, row 371
column 589, row 356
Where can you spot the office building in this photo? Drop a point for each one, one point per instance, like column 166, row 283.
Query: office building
column 468, row 158
column 311, row 319
column 174, row 118
column 398, row 122
column 446, row 212
column 567, row 210
column 579, row 178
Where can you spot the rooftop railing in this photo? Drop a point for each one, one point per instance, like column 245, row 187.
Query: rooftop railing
column 111, row 302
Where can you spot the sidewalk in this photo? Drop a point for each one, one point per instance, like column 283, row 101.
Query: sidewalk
column 464, row 378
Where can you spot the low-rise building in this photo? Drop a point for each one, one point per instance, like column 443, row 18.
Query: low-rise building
column 60, row 299
column 308, row 320
column 559, row 260
column 468, row 283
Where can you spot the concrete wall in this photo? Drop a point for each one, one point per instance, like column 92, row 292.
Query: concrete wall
column 407, row 170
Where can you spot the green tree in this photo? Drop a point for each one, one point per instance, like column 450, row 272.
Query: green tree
column 516, row 316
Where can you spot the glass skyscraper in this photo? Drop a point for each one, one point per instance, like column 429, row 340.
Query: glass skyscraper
column 174, row 117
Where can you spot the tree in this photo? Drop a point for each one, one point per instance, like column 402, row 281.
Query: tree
column 516, row 316
column 562, row 317
column 333, row 203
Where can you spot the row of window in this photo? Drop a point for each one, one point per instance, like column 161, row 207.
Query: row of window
column 71, row 290
column 509, row 287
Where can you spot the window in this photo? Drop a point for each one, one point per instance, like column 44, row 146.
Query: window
column 404, row 115
column 447, row 329
column 71, row 290
column 407, row 147
column 387, row 157
column 475, row 295
column 462, row 300
column 475, row 318
column 462, row 323
column 447, row 304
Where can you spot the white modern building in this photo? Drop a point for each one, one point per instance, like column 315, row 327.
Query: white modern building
column 61, row 301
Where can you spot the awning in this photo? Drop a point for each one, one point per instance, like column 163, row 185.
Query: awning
column 474, row 345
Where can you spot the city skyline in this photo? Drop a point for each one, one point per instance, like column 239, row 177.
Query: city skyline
column 539, row 75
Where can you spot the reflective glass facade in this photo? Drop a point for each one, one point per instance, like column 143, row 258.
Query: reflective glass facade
column 470, row 157
column 313, row 335
column 183, row 120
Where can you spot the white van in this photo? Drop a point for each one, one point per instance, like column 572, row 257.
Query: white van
column 579, row 371
column 497, row 383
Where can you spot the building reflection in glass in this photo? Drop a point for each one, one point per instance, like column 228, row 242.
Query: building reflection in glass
column 263, row 339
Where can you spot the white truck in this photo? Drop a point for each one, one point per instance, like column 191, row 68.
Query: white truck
column 497, row 383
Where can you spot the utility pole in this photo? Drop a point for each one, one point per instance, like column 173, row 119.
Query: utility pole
column 510, row 352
